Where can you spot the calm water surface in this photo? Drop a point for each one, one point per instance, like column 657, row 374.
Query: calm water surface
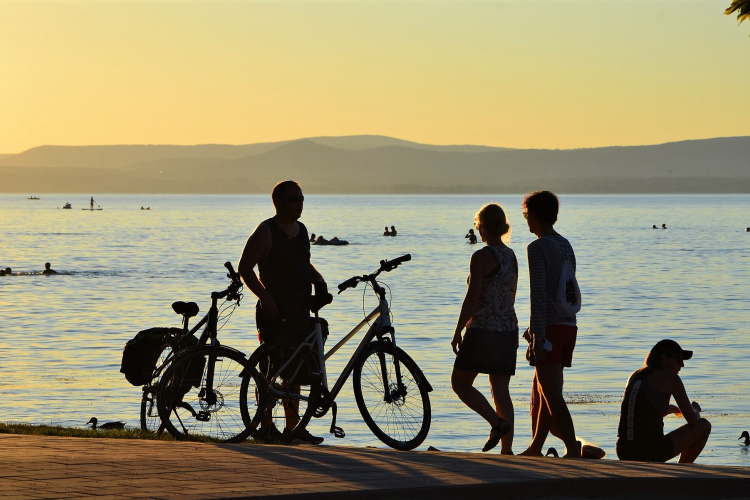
column 121, row 268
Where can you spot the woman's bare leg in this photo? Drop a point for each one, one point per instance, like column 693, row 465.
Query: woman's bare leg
column 504, row 408
column 462, row 383
column 689, row 440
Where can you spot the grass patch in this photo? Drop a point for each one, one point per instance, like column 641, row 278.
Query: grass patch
column 58, row 430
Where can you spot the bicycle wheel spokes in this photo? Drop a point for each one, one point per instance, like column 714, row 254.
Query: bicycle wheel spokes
column 398, row 413
column 290, row 396
column 150, row 421
column 190, row 408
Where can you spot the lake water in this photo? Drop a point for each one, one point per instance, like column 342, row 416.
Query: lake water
column 121, row 268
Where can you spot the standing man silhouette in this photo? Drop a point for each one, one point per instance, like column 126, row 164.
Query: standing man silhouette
column 280, row 247
column 546, row 256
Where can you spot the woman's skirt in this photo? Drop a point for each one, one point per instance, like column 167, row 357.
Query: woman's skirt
column 487, row 351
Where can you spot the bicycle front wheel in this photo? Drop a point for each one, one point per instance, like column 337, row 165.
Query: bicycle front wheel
column 150, row 421
column 398, row 413
column 189, row 408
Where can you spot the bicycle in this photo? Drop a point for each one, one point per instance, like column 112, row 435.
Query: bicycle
column 390, row 389
column 198, row 391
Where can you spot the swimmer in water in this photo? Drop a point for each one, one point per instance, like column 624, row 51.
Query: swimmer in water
column 48, row 270
column 393, row 231
column 312, row 238
column 321, row 241
column 472, row 237
column 386, row 232
column 6, row 272
column 663, row 226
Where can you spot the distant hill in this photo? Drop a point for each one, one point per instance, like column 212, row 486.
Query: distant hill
column 378, row 164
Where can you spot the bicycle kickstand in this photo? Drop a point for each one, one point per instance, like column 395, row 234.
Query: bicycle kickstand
column 336, row 431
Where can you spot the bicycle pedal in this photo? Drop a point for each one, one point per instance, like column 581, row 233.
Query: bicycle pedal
column 337, row 432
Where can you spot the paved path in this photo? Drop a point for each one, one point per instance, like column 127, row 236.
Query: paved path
column 58, row 467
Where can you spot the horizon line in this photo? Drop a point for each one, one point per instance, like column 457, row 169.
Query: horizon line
column 310, row 138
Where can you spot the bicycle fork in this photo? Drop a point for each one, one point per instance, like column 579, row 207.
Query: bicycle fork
column 207, row 393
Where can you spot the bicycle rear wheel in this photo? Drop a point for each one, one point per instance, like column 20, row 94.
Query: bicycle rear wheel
column 188, row 409
column 150, row 421
column 291, row 397
column 398, row 414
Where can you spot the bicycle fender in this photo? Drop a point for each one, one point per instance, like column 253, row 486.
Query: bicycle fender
column 419, row 373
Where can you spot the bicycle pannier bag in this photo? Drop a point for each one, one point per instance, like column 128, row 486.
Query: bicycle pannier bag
column 568, row 297
column 141, row 353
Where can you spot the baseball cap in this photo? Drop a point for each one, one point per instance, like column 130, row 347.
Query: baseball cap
column 669, row 347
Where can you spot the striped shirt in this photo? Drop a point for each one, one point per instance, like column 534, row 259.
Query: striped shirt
column 545, row 264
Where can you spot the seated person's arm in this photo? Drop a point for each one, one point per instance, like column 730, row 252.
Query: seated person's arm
column 258, row 246
column 673, row 409
column 683, row 402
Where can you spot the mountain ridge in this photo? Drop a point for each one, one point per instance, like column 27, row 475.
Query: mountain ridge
column 390, row 165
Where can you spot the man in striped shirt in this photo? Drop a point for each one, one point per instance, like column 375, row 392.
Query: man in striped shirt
column 546, row 256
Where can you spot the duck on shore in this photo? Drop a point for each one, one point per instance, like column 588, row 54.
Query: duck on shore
column 119, row 425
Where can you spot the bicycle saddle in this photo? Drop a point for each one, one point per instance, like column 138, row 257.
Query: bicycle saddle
column 187, row 309
column 317, row 302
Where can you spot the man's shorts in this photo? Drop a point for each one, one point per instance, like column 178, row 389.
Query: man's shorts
column 563, row 339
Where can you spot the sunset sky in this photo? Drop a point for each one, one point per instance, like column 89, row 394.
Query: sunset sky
column 522, row 74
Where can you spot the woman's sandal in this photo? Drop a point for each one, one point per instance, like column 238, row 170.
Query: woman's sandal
column 496, row 434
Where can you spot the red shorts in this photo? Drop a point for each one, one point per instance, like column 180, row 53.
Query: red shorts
column 563, row 339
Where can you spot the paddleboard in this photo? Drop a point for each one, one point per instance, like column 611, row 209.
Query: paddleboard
column 92, row 209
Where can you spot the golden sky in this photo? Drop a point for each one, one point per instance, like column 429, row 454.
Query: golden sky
column 522, row 73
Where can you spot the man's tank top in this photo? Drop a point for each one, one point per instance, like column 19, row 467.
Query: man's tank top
column 642, row 411
column 285, row 272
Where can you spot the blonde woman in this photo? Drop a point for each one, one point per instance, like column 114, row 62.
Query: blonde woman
column 491, row 339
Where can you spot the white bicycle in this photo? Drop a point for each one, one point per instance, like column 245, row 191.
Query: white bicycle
column 391, row 391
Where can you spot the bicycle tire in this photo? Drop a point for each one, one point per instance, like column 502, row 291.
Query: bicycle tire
column 150, row 421
column 185, row 407
column 267, row 357
column 402, row 423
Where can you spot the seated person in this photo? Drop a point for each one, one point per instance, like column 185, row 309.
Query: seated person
column 321, row 240
column 48, row 270
column 386, row 232
column 312, row 238
column 5, row 272
column 645, row 403
column 393, row 231
column 472, row 237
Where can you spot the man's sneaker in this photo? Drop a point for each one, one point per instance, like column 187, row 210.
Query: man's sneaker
column 270, row 433
column 304, row 437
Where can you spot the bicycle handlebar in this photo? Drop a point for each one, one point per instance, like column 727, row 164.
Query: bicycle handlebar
column 385, row 265
column 232, row 273
column 232, row 291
